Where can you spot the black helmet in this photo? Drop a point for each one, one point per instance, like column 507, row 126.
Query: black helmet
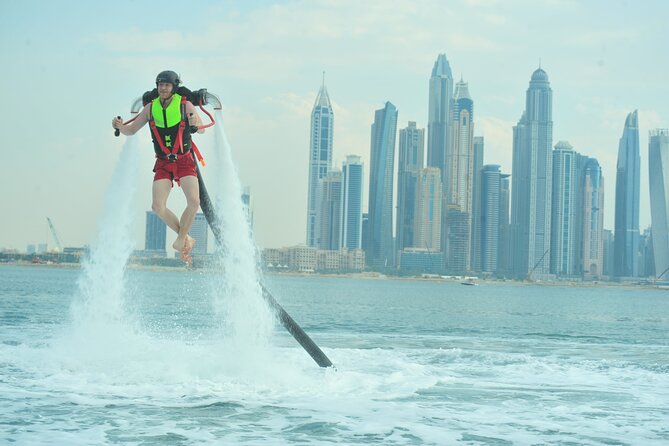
column 169, row 77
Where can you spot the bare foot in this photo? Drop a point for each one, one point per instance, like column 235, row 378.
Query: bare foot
column 188, row 244
column 179, row 244
column 186, row 249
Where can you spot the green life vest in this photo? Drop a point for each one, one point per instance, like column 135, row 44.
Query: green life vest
column 167, row 122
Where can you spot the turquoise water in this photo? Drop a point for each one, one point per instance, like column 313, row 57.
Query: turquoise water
column 417, row 362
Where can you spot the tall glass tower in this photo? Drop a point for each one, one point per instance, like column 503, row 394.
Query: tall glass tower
column 531, row 181
column 352, row 176
column 476, row 202
column 380, row 249
column 156, row 233
column 412, row 146
column 658, row 169
column 329, row 211
column 458, row 182
column 566, row 201
column 440, row 105
column 320, row 157
column 626, row 230
column 427, row 224
column 200, row 231
column 504, row 242
column 491, row 182
column 593, row 220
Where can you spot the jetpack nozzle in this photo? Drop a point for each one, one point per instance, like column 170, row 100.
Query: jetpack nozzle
column 211, row 98
column 137, row 105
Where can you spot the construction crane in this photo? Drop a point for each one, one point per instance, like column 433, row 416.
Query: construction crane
column 59, row 247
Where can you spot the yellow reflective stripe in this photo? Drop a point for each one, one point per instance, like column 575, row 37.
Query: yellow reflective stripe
column 172, row 112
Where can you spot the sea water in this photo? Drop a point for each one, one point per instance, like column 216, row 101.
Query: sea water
column 105, row 355
column 418, row 362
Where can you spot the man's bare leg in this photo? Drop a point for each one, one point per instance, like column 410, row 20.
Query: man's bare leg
column 161, row 190
column 191, row 188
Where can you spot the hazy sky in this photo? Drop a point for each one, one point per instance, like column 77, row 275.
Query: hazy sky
column 70, row 66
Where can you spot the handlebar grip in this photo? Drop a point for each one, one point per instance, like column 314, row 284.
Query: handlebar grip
column 117, row 131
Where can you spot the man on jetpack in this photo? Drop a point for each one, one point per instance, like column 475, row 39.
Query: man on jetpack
column 172, row 119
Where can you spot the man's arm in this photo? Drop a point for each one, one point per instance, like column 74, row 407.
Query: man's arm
column 193, row 117
column 135, row 125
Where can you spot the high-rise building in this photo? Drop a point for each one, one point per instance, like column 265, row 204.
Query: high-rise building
column 476, row 203
column 658, row 175
column 626, row 231
column 531, row 180
column 155, row 234
column 439, row 112
column 329, row 211
column 427, row 221
column 320, row 156
column 380, row 249
column 646, row 256
column 504, row 243
column 412, row 144
column 566, row 199
column 593, row 220
column 457, row 184
column 491, row 188
column 352, row 180
column 608, row 253
column 199, row 231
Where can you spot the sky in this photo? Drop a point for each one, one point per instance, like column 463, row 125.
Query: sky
column 70, row 66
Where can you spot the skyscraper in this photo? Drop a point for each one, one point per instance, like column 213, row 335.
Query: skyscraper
column 566, row 200
column 329, row 211
column 320, row 156
column 352, row 180
column 658, row 175
column 504, row 243
column 476, row 203
column 608, row 253
column 531, row 180
column 491, row 188
column 440, row 104
column 626, row 230
column 380, row 249
column 155, row 234
column 593, row 220
column 412, row 144
column 427, row 221
column 458, row 181
column 199, row 231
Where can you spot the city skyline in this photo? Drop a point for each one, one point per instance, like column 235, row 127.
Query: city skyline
column 592, row 67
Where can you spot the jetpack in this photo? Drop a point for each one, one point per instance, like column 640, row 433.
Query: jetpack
column 201, row 98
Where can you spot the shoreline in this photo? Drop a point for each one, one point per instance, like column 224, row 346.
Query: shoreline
column 367, row 276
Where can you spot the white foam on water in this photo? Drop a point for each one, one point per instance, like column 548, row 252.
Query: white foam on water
column 248, row 321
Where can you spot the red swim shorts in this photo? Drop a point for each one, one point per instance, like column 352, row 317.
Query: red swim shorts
column 184, row 166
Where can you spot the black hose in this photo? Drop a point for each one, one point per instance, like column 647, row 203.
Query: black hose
column 288, row 322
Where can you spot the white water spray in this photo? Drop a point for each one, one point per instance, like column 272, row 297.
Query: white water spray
column 99, row 319
column 248, row 320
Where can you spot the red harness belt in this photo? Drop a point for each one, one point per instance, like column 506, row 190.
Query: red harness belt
column 171, row 155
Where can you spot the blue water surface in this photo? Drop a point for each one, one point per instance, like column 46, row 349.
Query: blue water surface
column 417, row 362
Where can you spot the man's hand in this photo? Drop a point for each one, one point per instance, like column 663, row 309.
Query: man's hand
column 117, row 122
column 194, row 122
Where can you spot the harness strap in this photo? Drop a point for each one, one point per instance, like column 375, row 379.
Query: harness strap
column 182, row 125
column 197, row 153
